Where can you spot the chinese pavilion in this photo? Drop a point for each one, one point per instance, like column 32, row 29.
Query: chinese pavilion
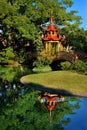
column 51, row 38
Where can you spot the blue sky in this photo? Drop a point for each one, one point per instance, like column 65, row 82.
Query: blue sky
column 81, row 7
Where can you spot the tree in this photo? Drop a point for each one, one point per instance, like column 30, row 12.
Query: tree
column 21, row 20
column 7, row 56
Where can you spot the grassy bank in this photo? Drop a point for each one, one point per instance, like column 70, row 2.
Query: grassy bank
column 69, row 81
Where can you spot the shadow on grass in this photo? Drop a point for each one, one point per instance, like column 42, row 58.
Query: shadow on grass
column 42, row 88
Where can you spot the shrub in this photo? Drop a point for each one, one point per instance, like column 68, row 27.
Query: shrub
column 80, row 66
column 43, row 59
column 66, row 65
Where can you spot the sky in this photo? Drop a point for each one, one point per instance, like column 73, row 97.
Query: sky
column 81, row 7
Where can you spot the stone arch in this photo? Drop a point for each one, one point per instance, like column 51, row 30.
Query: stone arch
column 61, row 57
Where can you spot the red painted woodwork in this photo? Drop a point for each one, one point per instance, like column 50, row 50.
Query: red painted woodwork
column 54, row 38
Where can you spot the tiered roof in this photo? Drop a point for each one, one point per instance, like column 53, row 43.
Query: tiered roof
column 54, row 38
column 51, row 32
column 51, row 27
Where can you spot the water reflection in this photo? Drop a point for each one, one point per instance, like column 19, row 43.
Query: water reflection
column 10, row 91
column 79, row 119
column 10, row 87
column 50, row 100
column 29, row 113
column 20, row 108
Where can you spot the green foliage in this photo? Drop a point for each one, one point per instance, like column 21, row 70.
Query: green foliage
column 66, row 65
column 20, row 57
column 43, row 59
column 76, row 38
column 44, row 68
column 26, row 16
column 14, row 116
column 80, row 66
column 9, row 73
column 28, row 113
column 7, row 55
column 13, row 73
column 21, row 20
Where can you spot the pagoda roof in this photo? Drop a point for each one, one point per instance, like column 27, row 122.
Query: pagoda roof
column 54, row 38
column 51, row 27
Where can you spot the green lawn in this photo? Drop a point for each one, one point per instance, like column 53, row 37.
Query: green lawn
column 65, row 80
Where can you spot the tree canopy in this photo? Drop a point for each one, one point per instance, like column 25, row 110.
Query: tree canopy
column 20, row 22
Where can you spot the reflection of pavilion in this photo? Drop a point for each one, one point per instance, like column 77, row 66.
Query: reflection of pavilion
column 50, row 100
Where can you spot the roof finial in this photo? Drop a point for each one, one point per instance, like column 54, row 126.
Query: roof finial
column 51, row 17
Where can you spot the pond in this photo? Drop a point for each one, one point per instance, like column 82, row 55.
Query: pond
column 20, row 108
column 79, row 119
